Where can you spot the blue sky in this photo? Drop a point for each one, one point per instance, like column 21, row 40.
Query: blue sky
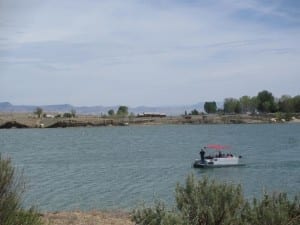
column 154, row 53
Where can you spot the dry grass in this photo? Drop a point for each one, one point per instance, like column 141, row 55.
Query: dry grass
column 87, row 218
column 31, row 120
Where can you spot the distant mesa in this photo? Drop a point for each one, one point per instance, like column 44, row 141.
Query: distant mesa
column 5, row 104
column 7, row 107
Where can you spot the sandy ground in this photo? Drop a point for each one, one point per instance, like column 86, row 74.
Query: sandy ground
column 87, row 218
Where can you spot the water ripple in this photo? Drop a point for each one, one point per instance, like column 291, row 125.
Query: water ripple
column 111, row 167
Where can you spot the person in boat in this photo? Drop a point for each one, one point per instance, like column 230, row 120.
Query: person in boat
column 202, row 153
column 220, row 154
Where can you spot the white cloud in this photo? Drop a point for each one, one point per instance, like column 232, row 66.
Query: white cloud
column 129, row 49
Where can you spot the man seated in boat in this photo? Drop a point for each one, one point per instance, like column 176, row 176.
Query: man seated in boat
column 229, row 155
column 219, row 154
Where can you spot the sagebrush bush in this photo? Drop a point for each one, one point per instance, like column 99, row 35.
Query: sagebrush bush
column 158, row 214
column 275, row 209
column 12, row 187
column 207, row 202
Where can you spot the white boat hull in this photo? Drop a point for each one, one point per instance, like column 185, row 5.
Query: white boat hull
column 217, row 162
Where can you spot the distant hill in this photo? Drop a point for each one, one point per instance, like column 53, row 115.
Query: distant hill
column 98, row 110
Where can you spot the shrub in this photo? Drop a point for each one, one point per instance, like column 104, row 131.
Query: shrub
column 67, row 115
column 11, row 190
column 157, row 214
column 207, row 202
column 275, row 209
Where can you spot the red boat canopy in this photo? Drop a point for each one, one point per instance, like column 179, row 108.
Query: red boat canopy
column 218, row 147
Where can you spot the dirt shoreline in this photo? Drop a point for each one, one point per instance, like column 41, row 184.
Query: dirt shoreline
column 25, row 120
column 87, row 218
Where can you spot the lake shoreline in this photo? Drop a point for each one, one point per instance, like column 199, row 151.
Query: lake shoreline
column 96, row 217
column 25, row 120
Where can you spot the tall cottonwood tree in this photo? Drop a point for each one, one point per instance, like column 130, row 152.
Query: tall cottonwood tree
column 38, row 111
column 210, row 107
column 122, row 111
column 232, row 105
column 266, row 102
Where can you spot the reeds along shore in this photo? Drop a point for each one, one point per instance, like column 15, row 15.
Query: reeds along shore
column 23, row 120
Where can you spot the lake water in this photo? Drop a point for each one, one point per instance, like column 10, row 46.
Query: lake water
column 118, row 167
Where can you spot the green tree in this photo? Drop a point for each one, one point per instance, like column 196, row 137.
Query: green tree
column 111, row 112
column 266, row 102
column 232, row 105
column 285, row 104
column 296, row 103
column 38, row 111
column 246, row 105
column 73, row 112
column 67, row 115
column 122, row 111
column 238, row 108
column 253, row 104
column 210, row 107
column 194, row 112
column 11, row 190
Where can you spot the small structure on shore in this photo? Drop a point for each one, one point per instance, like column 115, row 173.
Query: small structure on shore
column 151, row 114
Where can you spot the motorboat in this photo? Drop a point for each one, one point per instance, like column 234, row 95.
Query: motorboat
column 218, row 158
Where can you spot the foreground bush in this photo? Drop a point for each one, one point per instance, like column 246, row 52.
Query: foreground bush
column 275, row 209
column 207, row 202
column 11, row 190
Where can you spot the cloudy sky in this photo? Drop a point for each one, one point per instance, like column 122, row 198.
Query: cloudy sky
column 142, row 52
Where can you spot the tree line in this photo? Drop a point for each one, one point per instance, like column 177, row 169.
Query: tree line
column 122, row 111
column 264, row 102
column 40, row 113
